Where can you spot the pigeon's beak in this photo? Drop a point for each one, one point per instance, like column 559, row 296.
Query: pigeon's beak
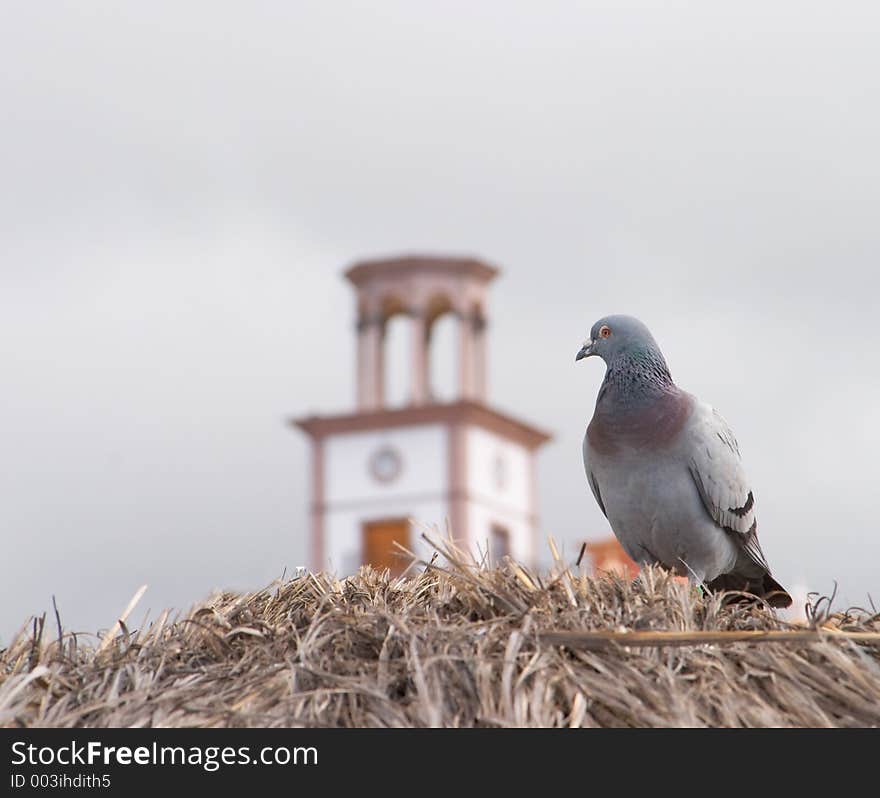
column 585, row 351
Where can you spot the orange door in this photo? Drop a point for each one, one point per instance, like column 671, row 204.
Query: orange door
column 378, row 547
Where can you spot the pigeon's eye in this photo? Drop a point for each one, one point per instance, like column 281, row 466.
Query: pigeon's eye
column 604, row 331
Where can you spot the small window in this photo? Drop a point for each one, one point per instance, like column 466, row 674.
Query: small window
column 499, row 543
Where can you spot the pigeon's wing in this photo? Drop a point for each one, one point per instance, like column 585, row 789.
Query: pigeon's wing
column 717, row 469
column 591, row 478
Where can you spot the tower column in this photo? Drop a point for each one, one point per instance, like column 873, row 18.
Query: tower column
column 466, row 357
column 479, row 324
column 458, row 484
column 370, row 363
column 419, row 355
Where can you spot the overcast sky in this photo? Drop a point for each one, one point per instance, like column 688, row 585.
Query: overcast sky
column 181, row 186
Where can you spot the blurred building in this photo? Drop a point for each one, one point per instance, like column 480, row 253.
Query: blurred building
column 608, row 555
column 379, row 468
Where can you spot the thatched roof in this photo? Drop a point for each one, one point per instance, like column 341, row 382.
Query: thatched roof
column 455, row 646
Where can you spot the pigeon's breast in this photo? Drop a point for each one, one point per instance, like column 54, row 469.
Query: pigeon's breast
column 651, row 426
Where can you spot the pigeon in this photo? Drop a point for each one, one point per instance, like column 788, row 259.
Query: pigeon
column 666, row 470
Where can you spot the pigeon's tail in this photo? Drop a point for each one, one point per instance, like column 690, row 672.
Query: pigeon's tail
column 774, row 593
column 765, row 587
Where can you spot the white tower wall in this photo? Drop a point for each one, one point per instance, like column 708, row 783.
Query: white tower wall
column 500, row 491
column 423, row 465
column 355, row 495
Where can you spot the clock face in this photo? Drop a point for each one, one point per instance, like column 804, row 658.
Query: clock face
column 386, row 464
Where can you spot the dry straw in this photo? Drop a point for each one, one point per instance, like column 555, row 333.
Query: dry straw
column 454, row 643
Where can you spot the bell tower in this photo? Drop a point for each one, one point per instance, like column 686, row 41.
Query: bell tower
column 422, row 289
column 376, row 470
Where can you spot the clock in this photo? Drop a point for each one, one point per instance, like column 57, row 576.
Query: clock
column 385, row 464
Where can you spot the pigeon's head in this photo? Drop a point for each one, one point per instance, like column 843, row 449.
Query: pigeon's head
column 614, row 336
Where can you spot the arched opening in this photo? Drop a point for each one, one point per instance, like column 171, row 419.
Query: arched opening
column 396, row 357
column 442, row 326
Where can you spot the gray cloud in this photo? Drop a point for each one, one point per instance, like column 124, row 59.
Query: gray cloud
column 183, row 184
